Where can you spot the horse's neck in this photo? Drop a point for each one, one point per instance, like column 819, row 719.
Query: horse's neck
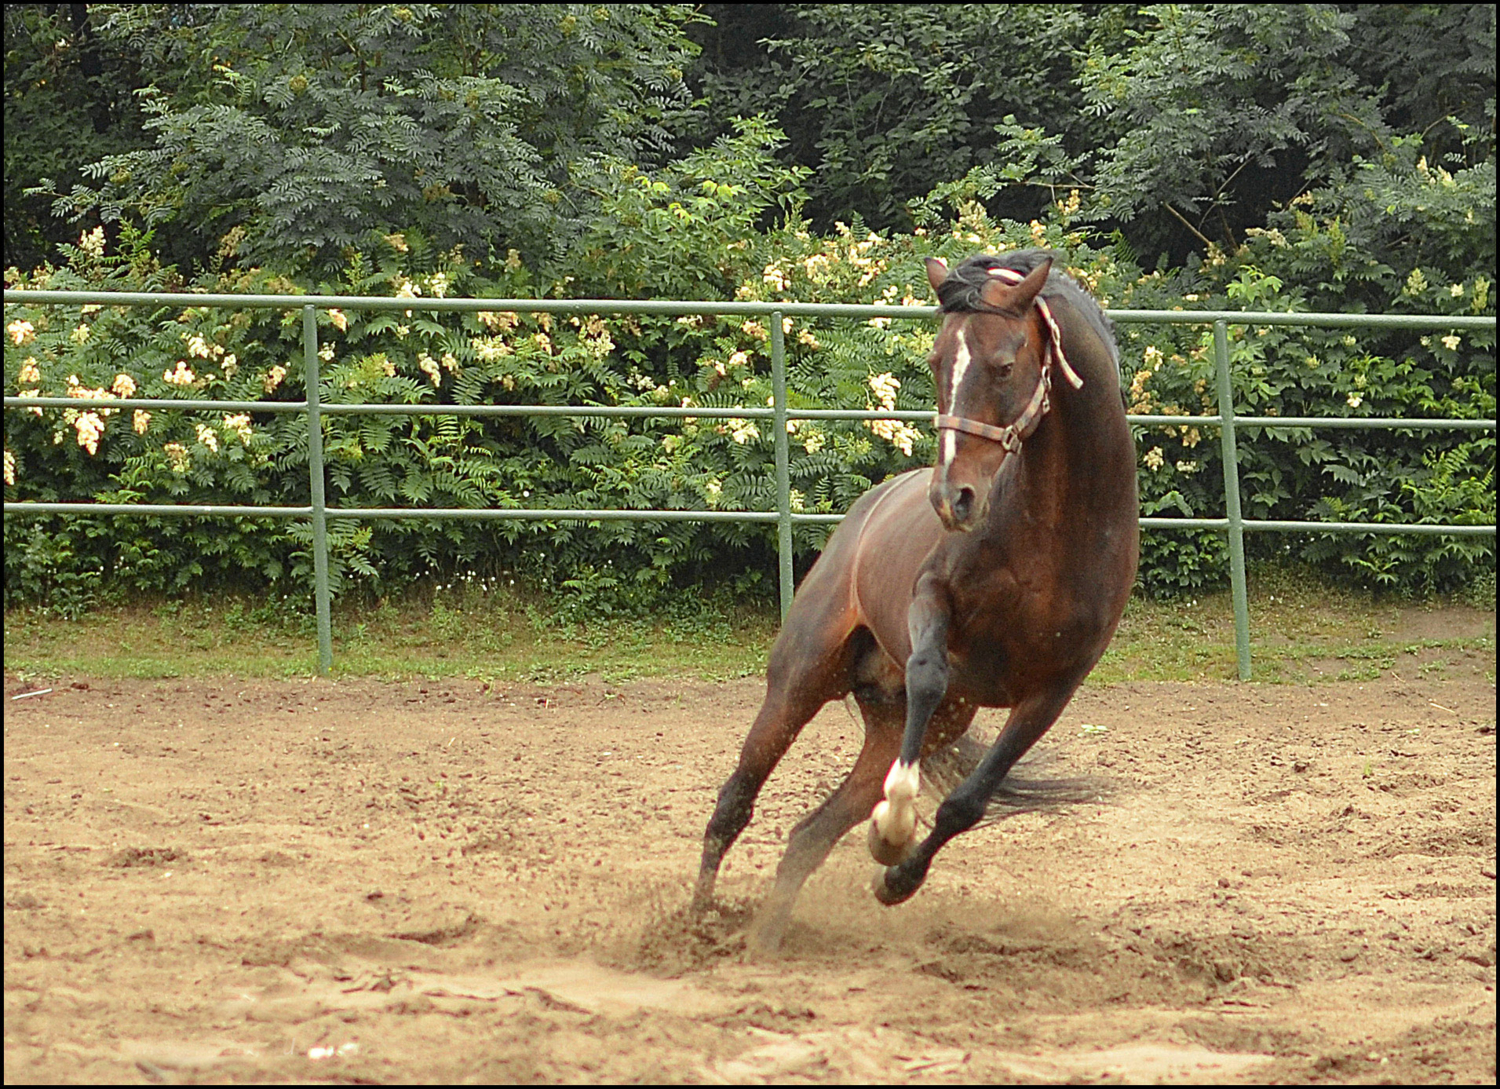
column 1080, row 456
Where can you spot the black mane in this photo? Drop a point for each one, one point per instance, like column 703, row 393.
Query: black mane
column 960, row 292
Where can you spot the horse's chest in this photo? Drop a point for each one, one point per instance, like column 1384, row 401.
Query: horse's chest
column 995, row 655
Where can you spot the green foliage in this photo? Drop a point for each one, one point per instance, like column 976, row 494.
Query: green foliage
column 68, row 103
column 1302, row 474
column 1295, row 158
column 471, row 123
column 884, row 100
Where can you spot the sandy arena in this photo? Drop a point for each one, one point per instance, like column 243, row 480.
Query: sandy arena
column 444, row 881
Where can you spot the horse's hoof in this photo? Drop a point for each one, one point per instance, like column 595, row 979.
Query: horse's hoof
column 886, row 853
column 885, row 893
column 763, row 939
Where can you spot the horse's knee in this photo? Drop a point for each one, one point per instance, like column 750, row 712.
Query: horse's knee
column 927, row 673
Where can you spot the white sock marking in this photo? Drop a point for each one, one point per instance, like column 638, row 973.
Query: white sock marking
column 896, row 816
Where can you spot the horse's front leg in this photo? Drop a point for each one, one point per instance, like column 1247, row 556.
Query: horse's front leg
column 893, row 824
column 965, row 805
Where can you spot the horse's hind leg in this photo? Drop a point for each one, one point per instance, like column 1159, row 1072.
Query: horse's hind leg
column 815, row 835
column 798, row 684
column 776, row 726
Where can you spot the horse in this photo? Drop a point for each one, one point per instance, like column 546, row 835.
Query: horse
column 994, row 579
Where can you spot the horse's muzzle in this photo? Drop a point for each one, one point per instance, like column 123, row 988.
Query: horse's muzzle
column 959, row 506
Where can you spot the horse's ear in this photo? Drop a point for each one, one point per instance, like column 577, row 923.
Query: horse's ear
column 1028, row 289
column 1022, row 294
column 937, row 272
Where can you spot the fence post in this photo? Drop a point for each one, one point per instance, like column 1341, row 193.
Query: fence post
column 783, row 460
column 1232, row 502
column 315, row 481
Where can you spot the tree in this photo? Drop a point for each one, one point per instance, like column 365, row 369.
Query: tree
column 68, row 103
column 471, row 124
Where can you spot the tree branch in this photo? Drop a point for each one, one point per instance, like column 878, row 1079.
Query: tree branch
column 1201, row 237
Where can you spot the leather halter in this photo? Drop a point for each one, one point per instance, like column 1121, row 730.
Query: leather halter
column 1018, row 430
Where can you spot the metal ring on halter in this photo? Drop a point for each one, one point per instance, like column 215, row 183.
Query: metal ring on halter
column 1008, row 437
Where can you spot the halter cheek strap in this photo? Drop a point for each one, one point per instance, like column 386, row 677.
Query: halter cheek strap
column 1014, row 433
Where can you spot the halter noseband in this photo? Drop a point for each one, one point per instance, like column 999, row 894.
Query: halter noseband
column 1018, row 430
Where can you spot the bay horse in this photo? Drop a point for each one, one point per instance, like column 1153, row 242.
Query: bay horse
column 994, row 579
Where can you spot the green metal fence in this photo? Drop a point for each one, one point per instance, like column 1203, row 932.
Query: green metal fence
column 318, row 512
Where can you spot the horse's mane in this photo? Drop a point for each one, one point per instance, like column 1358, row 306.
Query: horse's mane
column 960, row 292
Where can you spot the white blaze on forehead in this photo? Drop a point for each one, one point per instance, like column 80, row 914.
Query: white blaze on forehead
column 961, row 360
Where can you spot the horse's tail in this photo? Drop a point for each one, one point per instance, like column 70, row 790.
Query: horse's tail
column 1029, row 793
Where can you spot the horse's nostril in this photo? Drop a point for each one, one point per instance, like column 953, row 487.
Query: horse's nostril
column 963, row 503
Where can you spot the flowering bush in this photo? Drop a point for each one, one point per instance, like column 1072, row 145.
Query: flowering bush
column 697, row 231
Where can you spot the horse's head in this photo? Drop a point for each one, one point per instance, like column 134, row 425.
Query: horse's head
column 991, row 368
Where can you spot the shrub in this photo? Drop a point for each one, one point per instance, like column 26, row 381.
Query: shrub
column 722, row 223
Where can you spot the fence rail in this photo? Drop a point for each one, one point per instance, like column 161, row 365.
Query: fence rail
column 318, row 512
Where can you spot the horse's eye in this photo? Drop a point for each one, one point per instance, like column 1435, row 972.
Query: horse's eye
column 1003, row 370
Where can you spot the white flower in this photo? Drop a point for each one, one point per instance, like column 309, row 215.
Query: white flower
column 208, row 438
column 239, row 423
column 92, row 242
column 898, row 434
column 1153, row 458
column 489, row 349
column 1451, row 343
column 885, row 387
column 1355, row 399
column 90, row 427
column 20, row 331
column 182, row 376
